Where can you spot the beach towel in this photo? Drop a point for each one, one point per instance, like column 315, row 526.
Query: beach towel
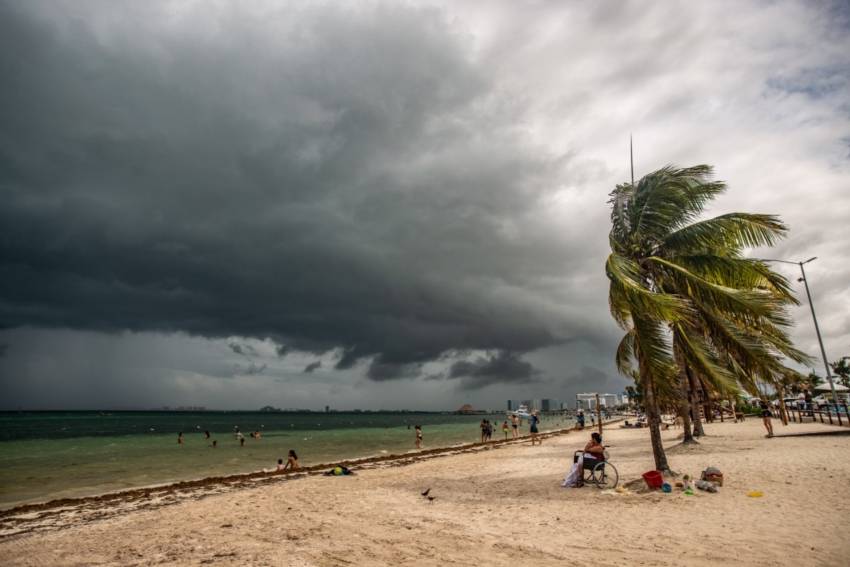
column 572, row 477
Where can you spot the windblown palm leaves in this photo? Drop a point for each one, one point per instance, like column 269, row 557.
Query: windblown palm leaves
column 685, row 295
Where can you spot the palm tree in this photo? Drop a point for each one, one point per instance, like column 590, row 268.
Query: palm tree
column 842, row 369
column 695, row 311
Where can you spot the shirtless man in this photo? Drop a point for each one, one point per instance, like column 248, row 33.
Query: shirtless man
column 515, row 425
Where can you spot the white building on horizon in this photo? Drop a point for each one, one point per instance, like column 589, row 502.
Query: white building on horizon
column 588, row 401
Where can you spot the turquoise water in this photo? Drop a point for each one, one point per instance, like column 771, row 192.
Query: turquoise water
column 50, row 455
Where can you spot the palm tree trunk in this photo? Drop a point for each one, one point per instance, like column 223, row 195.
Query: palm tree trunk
column 685, row 409
column 782, row 410
column 708, row 406
column 653, row 418
column 695, row 408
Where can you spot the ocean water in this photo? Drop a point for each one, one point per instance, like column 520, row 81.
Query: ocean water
column 50, row 455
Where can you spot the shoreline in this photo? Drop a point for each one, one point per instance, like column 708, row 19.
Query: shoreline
column 241, row 480
column 484, row 505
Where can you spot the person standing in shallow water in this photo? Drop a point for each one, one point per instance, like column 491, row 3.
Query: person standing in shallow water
column 418, row 436
column 180, row 438
column 505, row 429
column 515, row 425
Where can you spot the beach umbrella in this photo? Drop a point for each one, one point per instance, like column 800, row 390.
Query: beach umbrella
column 838, row 387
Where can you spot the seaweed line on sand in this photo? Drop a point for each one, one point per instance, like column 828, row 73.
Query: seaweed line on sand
column 48, row 516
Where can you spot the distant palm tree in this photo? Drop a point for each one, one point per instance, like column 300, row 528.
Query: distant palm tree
column 842, row 369
column 695, row 311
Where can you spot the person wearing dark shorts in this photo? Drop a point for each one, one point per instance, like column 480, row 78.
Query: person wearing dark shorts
column 418, row 436
column 534, row 432
column 766, row 417
column 515, row 425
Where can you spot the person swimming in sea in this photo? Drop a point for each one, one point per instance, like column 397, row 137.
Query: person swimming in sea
column 180, row 438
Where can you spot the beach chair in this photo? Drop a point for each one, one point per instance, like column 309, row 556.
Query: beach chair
column 599, row 471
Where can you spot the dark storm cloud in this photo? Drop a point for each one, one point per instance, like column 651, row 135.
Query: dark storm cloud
column 327, row 178
column 312, row 366
column 380, row 371
column 4, row 348
column 500, row 368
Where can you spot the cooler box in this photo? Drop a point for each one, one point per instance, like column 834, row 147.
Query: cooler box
column 718, row 478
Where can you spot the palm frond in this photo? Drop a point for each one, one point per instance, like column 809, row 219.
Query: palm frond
column 735, row 231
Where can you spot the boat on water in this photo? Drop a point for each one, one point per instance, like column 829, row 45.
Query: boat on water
column 521, row 413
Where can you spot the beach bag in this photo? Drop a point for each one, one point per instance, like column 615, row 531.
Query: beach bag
column 340, row 471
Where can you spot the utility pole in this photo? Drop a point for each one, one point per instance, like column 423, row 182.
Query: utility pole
column 599, row 414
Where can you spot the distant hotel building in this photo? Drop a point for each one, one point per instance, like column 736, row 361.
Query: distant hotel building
column 588, row 401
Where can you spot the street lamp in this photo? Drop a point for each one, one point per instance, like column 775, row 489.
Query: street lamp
column 814, row 317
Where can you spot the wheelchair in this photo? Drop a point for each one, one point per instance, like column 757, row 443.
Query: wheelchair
column 599, row 471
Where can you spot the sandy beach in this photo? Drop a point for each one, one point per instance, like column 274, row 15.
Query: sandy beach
column 491, row 505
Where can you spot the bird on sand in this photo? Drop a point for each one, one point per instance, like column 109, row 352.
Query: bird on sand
column 426, row 492
column 431, row 499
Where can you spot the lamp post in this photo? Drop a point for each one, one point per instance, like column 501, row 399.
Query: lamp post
column 815, row 319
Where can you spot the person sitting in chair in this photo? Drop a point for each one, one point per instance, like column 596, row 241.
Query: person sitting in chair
column 593, row 452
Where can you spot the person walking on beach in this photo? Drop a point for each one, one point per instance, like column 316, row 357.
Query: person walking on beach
column 580, row 419
column 808, row 397
column 534, row 422
column 766, row 417
column 515, row 425
column 483, row 430
column 418, row 436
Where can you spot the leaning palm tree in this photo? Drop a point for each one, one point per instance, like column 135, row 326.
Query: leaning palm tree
column 695, row 311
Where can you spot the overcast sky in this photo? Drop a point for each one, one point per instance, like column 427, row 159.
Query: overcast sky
column 383, row 204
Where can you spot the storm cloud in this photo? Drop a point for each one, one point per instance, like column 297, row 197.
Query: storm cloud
column 502, row 367
column 404, row 198
column 337, row 178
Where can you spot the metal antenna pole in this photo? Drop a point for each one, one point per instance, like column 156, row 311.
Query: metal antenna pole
column 817, row 330
column 632, row 156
